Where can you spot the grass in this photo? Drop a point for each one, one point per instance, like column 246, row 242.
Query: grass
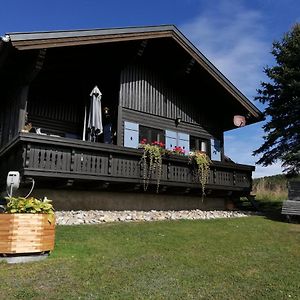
column 246, row 258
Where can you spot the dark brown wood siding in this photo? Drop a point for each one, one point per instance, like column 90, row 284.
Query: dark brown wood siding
column 57, row 114
column 9, row 113
column 164, row 123
column 145, row 90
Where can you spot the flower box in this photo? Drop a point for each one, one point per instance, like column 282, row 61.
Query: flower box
column 26, row 233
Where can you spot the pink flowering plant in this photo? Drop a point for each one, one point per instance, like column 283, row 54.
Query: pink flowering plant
column 144, row 142
column 178, row 150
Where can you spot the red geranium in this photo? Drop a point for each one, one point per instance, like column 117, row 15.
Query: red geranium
column 179, row 150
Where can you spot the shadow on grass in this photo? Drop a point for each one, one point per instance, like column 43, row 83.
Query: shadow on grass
column 269, row 208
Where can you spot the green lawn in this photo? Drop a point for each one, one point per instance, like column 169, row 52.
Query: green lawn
column 246, row 258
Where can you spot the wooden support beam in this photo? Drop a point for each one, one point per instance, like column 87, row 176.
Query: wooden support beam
column 3, row 52
column 120, row 126
column 70, row 182
column 29, row 75
column 163, row 189
column 187, row 190
column 104, row 186
column 137, row 187
column 190, row 66
column 23, row 94
column 35, row 67
column 142, row 47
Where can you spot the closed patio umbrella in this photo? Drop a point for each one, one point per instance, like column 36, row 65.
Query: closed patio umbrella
column 95, row 114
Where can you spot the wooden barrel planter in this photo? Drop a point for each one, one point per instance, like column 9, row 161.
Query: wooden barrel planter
column 26, row 233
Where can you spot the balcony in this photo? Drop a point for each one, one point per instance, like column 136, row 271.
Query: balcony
column 47, row 159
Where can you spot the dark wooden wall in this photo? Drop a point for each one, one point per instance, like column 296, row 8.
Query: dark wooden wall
column 56, row 114
column 147, row 98
column 145, row 90
column 164, row 123
column 10, row 100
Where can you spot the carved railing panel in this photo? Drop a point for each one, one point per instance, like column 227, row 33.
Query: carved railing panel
column 243, row 179
column 90, row 163
column 62, row 156
column 43, row 157
column 126, row 167
column 224, row 178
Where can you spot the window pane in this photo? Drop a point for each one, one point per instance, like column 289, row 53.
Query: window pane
column 204, row 146
column 193, row 143
column 144, row 133
column 151, row 134
column 198, row 144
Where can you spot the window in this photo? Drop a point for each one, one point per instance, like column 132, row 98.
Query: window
column 135, row 133
column 131, row 134
column 151, row 134
column 216, row 149
column 200, row 144
column 178, row 139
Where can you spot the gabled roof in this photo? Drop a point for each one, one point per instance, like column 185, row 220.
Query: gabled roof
column 52, row 39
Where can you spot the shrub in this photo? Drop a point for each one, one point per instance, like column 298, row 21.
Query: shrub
column 30, row 205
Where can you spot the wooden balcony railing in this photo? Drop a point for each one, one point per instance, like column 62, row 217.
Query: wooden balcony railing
column 42, row 156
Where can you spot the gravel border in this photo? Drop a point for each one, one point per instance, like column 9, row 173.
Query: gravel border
column 100, row 216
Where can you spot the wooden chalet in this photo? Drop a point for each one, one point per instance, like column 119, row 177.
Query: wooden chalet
column 155, row 84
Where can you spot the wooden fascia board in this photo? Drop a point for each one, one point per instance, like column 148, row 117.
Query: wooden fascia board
column 97, row 39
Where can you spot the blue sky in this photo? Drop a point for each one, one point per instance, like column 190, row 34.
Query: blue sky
column 235, row 35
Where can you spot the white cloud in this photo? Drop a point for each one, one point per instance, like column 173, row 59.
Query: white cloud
column 233, row 39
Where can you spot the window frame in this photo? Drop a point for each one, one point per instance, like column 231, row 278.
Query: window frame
column 160, row 135
column 198, row 142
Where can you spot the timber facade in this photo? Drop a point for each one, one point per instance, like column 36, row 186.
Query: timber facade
column 156, row 85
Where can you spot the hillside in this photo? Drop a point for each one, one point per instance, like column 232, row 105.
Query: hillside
column 271, row 187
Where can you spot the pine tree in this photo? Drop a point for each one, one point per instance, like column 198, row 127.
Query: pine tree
column 282, row 97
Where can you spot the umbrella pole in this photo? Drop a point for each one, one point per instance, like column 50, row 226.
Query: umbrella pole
column 84, row 124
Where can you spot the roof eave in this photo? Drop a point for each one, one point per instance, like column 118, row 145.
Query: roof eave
column 221, row 78
column 39, row 40
column 41, row 35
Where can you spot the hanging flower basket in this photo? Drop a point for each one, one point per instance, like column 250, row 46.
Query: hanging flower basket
column 152, row 162
column 201, row 161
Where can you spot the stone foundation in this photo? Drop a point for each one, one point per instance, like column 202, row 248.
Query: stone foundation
column 102, row 200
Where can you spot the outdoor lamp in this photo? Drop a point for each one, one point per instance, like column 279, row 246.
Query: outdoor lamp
column 177, row 121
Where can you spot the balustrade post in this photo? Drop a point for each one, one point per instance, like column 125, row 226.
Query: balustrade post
column 109, row 163
column 141, row 169
column 251, row 182
column 215, row 175
column 27, row 149
column 72, row 160
column 168, row 170
column 234, row 178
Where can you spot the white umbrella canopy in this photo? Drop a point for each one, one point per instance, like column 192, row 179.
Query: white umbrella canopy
column 95, row 114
